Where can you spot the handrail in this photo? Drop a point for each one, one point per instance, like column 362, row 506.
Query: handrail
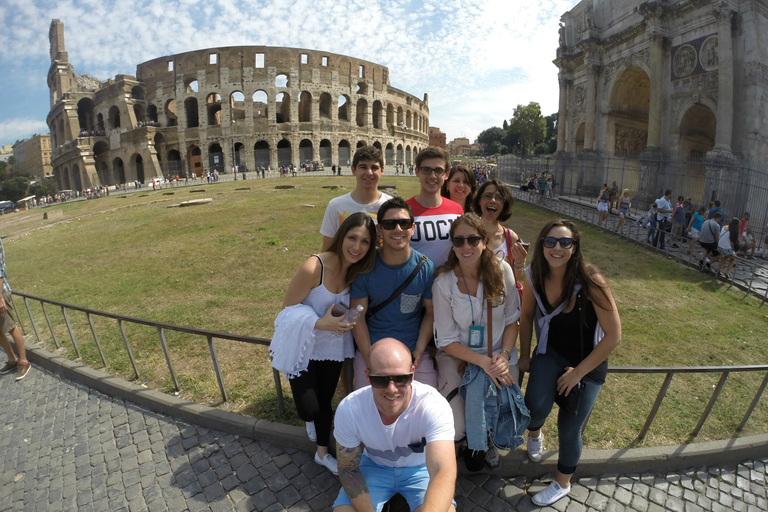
column 668, row 371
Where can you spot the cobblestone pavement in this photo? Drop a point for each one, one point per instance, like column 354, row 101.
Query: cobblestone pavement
column 66, row 447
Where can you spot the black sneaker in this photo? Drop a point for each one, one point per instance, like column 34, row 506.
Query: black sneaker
column 474, row 460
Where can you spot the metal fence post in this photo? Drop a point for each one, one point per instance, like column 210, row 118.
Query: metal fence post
column 217, row 368
column 96, row 339
column 128, row 349
column 164, row 344
column 71, row 333
column 48, row 320
column 31, row 319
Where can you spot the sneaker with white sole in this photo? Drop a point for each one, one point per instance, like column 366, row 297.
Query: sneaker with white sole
column 552, row 493
column 328, row 462
column 8, row 367
column 535, row 447
column 311, row 432
column 22, row 369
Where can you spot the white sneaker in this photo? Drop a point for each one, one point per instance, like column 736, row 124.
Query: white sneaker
column 550, row 494
column 311, row 432
column 535, row 447
column 329, row 462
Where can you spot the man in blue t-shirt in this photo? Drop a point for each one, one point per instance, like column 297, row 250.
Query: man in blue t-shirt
column 401, row 318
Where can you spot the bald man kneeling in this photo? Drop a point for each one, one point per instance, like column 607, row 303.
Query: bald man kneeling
column 395, row 435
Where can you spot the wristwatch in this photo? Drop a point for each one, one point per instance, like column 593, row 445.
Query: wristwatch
column 505, row 351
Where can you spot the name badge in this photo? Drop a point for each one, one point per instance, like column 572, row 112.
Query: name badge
column 476, row 336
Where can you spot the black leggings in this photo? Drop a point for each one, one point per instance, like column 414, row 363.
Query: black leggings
column 313, row 392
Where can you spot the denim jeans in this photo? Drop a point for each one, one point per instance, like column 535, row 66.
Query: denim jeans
column 540, row 397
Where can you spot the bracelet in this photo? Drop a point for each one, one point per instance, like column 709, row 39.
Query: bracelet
column 521, row 267
column 505, row 351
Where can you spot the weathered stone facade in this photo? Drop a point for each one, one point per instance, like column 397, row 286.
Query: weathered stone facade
column 250, row 106
column 679, row 79
column 33, row 157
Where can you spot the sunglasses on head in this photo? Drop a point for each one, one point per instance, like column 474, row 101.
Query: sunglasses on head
column 550, row 241
column 458, row 241
column 382, row 381
column 390, row 224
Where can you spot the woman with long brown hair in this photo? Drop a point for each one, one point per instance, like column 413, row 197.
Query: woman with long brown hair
column 577, row 324
column 460, row 186
column 472, row 279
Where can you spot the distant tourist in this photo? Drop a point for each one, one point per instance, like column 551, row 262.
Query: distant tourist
column 8, row 325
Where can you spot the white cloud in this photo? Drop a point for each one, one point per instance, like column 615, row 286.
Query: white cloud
column 12, row 130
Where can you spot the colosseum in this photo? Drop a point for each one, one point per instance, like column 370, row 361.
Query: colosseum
column 247, row 106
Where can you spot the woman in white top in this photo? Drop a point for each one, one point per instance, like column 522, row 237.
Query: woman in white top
column 727, row 245
column 321, row 282
column 493, row 203
column 460, row 293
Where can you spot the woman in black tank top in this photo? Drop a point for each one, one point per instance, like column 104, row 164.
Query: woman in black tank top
column 577, row 326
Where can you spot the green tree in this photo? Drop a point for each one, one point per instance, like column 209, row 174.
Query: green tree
column 14, row 189
column 3, row 172
column 41, row 188
column 490, row 139
column 528, row 123
column 551, row 138
column 505, row 126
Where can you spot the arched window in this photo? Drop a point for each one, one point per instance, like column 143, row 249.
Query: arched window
column 305, row 107
column 282, row 108
column 260, row 104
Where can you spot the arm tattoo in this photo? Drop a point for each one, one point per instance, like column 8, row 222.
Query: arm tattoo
column 349, row 470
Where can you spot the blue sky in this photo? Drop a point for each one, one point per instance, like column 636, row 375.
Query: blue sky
column 476, row 59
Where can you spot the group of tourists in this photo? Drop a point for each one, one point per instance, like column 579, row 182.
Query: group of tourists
column 439, row 281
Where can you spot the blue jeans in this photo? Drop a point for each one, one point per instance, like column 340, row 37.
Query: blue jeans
column 540, row 396
column 660, row 234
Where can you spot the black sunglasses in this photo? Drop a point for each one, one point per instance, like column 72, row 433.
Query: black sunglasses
column 382, row 381
column 390, row 224
column 458, row 241
column 439, row 171
column 550, row 241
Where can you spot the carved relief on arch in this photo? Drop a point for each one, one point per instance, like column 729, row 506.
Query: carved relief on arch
column 579, row 93
column 684, row 61
column 708, row 56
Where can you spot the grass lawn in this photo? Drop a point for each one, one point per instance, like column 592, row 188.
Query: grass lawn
column 224, row 266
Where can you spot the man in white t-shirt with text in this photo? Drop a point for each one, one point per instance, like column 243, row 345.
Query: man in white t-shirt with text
column 432, row 212
column 395, row 435
column 368, row 168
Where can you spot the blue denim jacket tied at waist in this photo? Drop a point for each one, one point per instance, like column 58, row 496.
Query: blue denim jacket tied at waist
column 487, row 409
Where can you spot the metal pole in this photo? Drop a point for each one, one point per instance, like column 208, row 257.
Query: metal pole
column 96, row 339
column 48, row 320
column 31, row 319
column 164, row 344
column 656, row 405
column 71, row 334
column 217, row 368
column 128, row 349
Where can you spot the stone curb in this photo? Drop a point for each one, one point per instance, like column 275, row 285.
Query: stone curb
column 658, row 459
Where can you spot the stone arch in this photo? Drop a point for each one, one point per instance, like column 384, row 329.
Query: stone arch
column 237, row 105
column 215, row 157
column 261, row 153
column 136, row 163
column 282, row 108
column 238, row 156
column 192, row 86
column 399, row 159
column 114, row 117
column 400, row 117
column 326, row 153
column 260, row 105
column 361, row 144
column 195, row 160
column 305, row 151
column 377, row 145
column 343, row 107
column 85, row 118
column 171, row 114
column 377, row 111
column 281, row 80
column 698, row 127
column 190, row 108
column 213, row 107
column 138, row 112
column 390, row 114
column 628, row 112
column 65, row 182
column 305, row 107
column 102, row 171
column 151, row 113
column 325, row 106
column 173, row 164
column 118, row 170
column 77, row 180
column 362, row 112
column 101, row 159
column 362, row 88
column 344, row 152
column 137, row 92
column 389, row 154
column 284, row 153
column 100, row 122
column 408, row 119
column 408, row 155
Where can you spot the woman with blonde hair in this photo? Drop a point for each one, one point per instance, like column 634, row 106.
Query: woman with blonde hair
column 602, row 205
column 476, row 305
column 624, row 205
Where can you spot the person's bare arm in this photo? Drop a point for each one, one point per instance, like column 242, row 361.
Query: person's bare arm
column 360, row 330
column 441, row 465
column 527, row 311
column 352, row 479
column 425, row 332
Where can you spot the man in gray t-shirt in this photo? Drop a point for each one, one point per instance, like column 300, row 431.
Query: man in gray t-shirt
column 708, row 239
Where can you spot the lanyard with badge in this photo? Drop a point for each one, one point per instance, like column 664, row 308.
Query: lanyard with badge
column 476, row 332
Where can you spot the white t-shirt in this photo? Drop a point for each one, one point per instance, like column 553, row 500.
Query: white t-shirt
column 339, row 208
column 432, row 228
column 454, row 310
column 428, row 417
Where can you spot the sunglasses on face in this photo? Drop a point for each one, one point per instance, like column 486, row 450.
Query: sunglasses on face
column 390, row 224
column 458, row 241
column 439, row 171
column 550, row 241
column 382, row 381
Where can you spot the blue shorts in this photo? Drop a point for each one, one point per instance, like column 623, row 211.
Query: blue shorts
column 384, row 482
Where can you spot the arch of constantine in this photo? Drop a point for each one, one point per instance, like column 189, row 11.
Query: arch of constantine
column 664, row 80
column 252, row 106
